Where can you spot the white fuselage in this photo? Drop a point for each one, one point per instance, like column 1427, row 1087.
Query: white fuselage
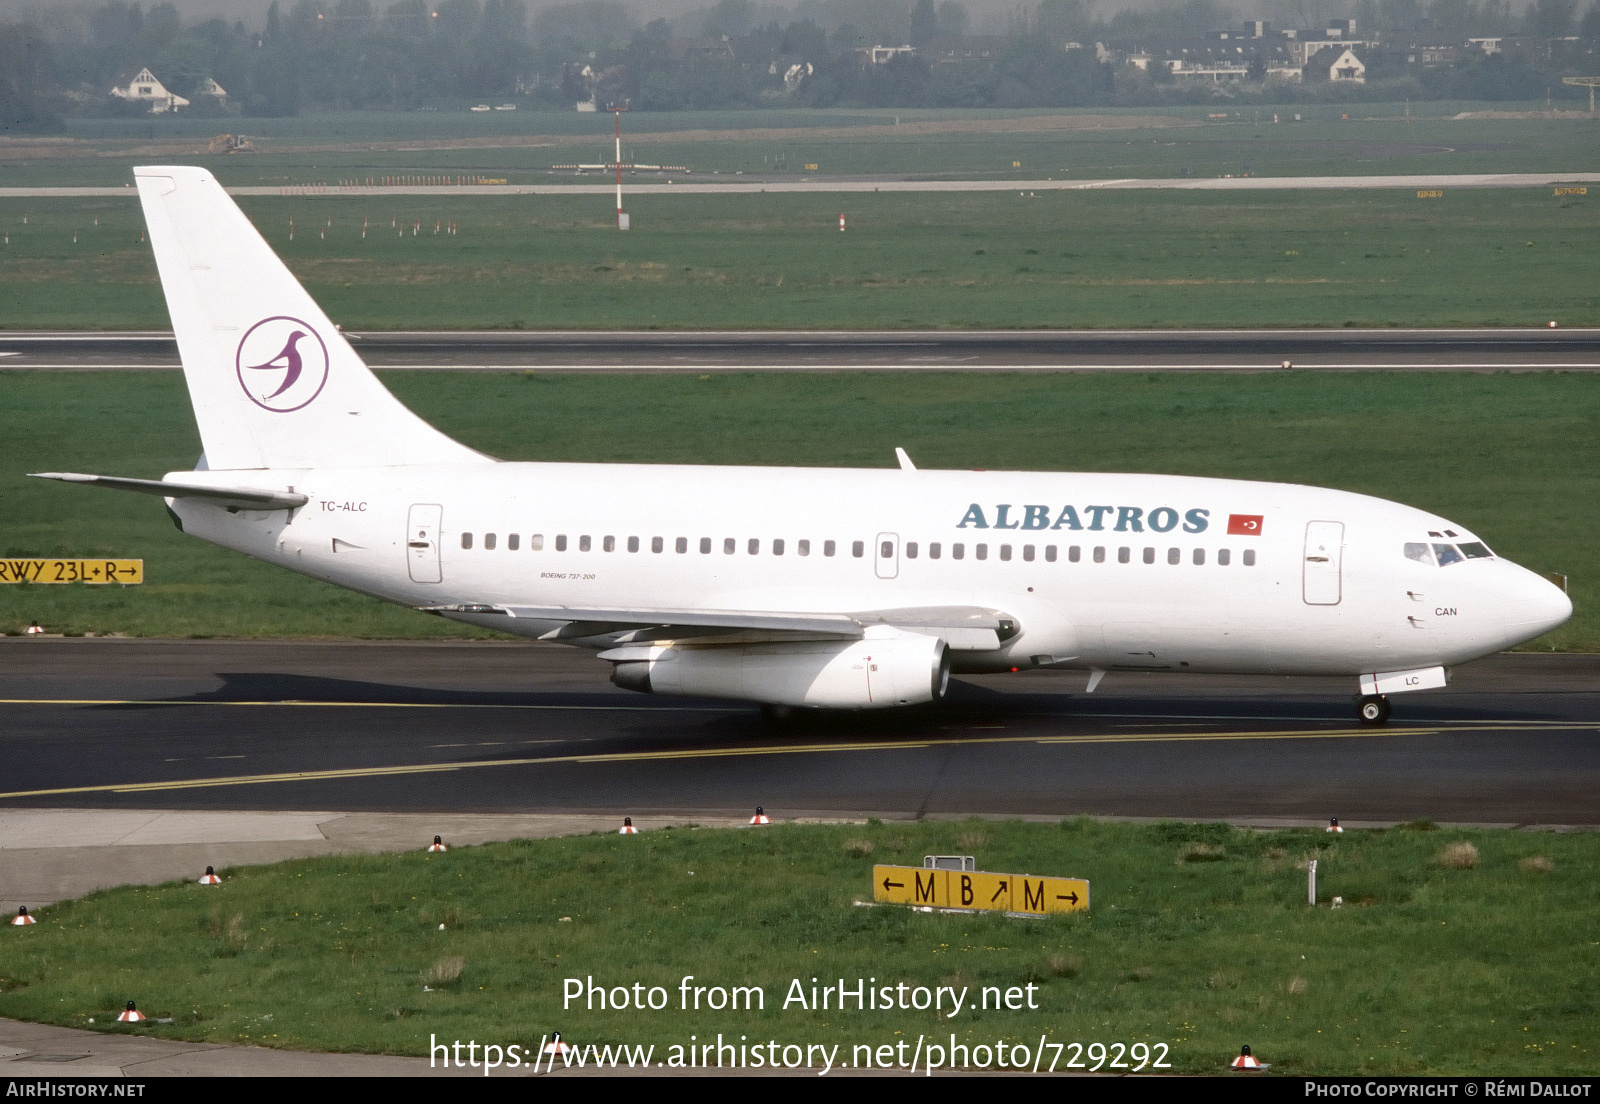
column 1097, row 570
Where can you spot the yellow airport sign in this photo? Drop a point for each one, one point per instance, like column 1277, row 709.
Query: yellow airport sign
column 127, row 572
column 978, row 890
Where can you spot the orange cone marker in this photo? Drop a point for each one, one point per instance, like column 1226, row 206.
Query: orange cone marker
column 1247, row 1061
column 22, row 918
column 1333, row 826
column 131, row 1015
column 760, row 817
column 627, row 828
column 210, row 877
column 437, row 845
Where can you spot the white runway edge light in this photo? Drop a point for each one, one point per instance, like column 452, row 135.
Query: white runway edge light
column 760, row 817
column 437, row 845
column 210, row 877
column 131, row 1014
column 22, row 919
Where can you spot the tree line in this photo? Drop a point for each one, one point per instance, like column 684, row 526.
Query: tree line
column 322, row 55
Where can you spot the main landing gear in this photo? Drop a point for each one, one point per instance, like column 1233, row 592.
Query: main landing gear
column 1373, row 709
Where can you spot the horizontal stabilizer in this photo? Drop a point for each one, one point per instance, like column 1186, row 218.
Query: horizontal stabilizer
column 243, row 498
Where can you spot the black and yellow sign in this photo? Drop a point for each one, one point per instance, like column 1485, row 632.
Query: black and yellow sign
column 126, row 572
column 1430, row 193
column 1572, row 191
column 976, row 889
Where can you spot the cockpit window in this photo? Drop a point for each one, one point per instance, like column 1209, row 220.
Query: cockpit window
column 1443, row 555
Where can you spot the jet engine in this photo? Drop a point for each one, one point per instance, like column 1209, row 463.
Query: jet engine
column 887, row 668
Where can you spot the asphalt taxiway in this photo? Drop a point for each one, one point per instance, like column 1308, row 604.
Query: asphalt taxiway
column 518, row 727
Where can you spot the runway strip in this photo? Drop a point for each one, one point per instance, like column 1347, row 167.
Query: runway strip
column 812, row 185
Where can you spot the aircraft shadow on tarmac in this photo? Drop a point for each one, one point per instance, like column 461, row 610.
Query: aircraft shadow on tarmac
column 968, row 707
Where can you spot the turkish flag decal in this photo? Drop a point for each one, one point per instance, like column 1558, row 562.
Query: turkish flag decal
column 1244, row 525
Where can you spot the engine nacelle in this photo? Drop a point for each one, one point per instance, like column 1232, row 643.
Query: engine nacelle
column 887, row 668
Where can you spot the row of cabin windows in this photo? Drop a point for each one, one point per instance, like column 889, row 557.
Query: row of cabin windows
column 934, row 550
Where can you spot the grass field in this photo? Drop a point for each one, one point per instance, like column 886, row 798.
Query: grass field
column 1456, row 951
column 993, row 260
column 522, row 146
column 1510, row 456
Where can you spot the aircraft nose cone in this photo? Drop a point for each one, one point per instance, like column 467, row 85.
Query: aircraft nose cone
column 1536, row 606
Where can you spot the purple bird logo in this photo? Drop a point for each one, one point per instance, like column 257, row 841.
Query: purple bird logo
column 289, row 358
column 286, row 345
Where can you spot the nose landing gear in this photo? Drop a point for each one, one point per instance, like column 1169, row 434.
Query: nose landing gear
column 1373, row 709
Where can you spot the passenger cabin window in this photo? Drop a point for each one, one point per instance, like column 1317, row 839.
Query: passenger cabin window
column 777, row 547
column 681, row 545
column 803, row 547
column 705, row 546
column 827, row 548
column 466, row 540
column 512, row 540
column 583, row 543
column 488, row 542
column 728, row 545
column 1249, row 557
column 858, row 549
column 933, row 551
column 536, row 542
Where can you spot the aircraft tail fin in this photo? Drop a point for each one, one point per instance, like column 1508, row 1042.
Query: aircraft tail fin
column 273, row 382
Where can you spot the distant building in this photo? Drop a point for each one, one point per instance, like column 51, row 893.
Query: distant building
column 964, row 48
column 1335, row 65
column 883, row 55
column 211, row 88
column 141, row 86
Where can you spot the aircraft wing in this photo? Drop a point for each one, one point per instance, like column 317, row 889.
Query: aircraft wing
column 963, row 628
column 243, row 498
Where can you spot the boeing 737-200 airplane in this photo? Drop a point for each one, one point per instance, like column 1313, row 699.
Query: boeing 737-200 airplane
column 836, row 588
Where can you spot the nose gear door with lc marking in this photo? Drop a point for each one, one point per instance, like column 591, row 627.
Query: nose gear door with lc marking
column 1324, row 548
column 422, row 543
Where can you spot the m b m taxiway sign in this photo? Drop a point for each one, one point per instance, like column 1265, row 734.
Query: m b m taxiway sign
column 980, row 890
